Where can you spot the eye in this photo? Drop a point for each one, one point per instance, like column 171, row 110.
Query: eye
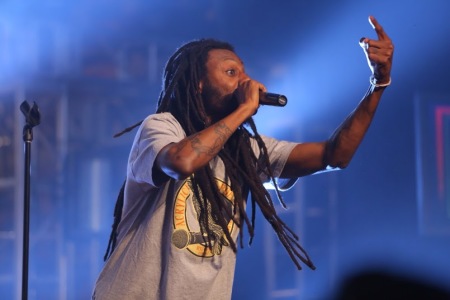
column 231, row 72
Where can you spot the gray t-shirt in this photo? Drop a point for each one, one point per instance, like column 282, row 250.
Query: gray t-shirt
column 160, row 251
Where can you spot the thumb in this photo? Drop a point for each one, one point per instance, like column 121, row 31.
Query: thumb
column 364, row 43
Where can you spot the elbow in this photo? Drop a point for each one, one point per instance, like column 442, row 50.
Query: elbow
column 179, row 170
column 179, row 163
column 174, row 165
column 342, row 165
column 183, row 174
column 336, row 159
column 178, row 166
column 177, row 175
column 338, row 164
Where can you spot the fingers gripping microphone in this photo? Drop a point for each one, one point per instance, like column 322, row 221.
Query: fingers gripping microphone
column 272, row 99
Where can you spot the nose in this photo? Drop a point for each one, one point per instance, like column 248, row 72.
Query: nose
column 243, row 77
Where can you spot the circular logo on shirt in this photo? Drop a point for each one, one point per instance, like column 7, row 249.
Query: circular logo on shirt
column 187, row 233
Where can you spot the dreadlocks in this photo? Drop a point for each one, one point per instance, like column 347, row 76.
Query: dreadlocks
column 182, row 75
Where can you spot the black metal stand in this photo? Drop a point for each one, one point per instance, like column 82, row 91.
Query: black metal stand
column 32, row 118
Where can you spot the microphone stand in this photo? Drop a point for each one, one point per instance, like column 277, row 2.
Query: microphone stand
column 32, row 118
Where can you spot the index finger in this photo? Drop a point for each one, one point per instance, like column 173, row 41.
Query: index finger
column 378, row 29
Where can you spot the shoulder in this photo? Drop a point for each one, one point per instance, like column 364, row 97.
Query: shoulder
column 161, row 123
column 159, row 117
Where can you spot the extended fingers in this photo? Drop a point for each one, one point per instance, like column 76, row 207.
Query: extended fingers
column 382, row 35
column 379, row 52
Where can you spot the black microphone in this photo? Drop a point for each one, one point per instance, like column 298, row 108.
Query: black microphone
column 272, row 99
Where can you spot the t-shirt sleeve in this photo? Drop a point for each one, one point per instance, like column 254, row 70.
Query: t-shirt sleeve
column 278, row 152
column 156, row 132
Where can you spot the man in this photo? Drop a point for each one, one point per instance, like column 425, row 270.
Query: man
column 195, row 162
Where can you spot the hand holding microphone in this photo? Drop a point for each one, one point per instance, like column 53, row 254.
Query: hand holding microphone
column 264, row 98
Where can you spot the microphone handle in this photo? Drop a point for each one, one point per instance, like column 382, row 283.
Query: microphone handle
column 272, row 99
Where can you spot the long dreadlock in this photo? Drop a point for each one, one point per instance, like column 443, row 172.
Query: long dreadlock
column 182, row 74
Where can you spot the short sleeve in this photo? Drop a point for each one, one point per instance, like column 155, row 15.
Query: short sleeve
column 155, row 132
column 278, row 152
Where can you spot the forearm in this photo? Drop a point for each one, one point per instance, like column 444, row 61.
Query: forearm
column 344, row 142
column 180, row 160
column 339, row 149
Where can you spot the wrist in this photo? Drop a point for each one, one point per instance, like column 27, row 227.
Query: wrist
column 239, row 116
column 246, row 110
column 379, row 83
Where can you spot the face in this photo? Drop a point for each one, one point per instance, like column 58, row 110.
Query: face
column 224, row 72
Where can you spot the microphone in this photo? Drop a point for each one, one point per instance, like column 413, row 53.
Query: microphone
column 182, row 238
column 272, row 99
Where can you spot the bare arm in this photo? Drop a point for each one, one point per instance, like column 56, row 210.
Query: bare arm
column 339, row 149
column 180, row 160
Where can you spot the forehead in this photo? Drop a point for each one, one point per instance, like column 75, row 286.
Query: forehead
column 217, row 56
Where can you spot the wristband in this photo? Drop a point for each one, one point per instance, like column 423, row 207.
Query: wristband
column 373, row 82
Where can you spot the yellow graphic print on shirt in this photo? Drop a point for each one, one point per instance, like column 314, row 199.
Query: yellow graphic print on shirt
column 187, row 234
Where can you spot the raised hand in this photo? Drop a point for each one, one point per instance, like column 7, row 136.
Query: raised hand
column 379, row 53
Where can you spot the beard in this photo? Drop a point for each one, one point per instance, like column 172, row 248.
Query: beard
column 218, row 103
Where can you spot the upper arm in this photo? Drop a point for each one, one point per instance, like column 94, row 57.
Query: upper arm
column 158, row 175
column 164, row 166
column 305, row 159
column 155, row 135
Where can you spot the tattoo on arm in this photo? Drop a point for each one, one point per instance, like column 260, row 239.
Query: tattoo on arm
column 222, row 133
